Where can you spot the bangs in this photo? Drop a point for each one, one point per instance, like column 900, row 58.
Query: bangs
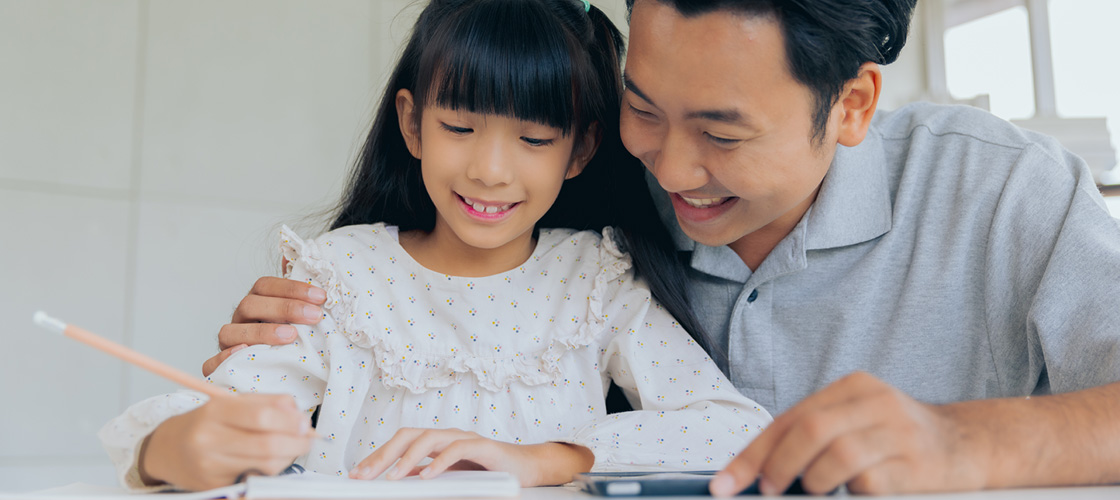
column 502, row 57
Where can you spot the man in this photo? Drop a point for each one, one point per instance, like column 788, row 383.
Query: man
column 897, row 291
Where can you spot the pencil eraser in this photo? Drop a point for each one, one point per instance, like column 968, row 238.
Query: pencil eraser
column 48, row 323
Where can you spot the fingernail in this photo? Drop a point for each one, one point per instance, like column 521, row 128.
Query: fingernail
column 392, row 472
column 237, row 348
column 722, row 485
column 425, row 472
column 311, row 312
column 286, row 332
column 355, row 473
column 317, row 294
column 767, row 488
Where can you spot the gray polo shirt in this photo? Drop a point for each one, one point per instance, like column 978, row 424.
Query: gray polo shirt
column 951, row 254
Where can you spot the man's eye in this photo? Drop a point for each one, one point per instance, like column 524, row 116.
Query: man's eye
column 721, row 141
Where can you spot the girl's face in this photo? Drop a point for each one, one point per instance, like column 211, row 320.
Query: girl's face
column 490, row 177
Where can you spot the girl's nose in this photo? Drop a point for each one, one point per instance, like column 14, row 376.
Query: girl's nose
column 493, row 165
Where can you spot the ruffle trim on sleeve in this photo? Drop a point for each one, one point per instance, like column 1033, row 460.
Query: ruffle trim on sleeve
column 613, row 263
column 417, row 371
column 340, row 300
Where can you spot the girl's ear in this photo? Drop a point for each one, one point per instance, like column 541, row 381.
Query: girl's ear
column 407, row 122
column 583, row 154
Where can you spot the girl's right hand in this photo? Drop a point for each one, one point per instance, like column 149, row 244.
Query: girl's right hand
column 211, row 446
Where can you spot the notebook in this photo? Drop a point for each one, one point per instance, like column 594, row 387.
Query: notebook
column 312, row 485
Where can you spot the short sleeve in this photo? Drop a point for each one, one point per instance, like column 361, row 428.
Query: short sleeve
column 1053, row 276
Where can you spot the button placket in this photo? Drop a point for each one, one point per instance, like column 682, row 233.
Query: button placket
column 751, row 346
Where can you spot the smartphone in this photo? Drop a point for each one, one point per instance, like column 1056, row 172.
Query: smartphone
column 658, row 483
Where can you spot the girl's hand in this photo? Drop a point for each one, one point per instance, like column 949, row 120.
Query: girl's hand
column 534, row 464
column 212, row 445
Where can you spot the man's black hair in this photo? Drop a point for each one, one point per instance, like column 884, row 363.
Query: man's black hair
column 826, row 40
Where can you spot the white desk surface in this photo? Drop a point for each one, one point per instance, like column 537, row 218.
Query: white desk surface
column 572, row 493
column 1075, row 493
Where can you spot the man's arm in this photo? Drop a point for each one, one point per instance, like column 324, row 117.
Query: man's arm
column 264, row 316
column 861, row 432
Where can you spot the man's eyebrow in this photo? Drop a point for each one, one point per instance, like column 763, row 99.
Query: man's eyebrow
column 629, row 85
column 730, row 116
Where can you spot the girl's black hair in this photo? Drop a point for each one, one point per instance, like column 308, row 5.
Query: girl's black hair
column 546, row 61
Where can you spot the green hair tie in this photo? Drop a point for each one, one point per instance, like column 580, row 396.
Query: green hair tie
column 587, row 5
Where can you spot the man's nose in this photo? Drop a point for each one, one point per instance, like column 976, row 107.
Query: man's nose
column 677, row 165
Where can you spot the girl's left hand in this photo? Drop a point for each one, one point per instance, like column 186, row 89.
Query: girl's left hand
column 533, row 464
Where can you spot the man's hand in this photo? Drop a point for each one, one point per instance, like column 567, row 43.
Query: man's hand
column 861, row 432
column 264, row 315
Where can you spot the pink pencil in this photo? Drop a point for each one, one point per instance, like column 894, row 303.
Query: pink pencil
column 89, row 338
column 170, row 373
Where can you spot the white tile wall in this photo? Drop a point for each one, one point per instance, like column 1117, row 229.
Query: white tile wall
column 259, row 100
column 194, row 264
column 69, row 69
column 147, row 152
column 66, row 255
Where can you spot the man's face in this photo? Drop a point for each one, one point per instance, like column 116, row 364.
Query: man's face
column 713, row 112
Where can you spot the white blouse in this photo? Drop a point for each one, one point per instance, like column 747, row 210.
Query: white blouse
column 525, row 356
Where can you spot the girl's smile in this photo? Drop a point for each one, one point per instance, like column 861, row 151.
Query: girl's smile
column 486, row 210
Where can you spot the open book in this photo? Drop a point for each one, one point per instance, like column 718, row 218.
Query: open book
column 312, row 485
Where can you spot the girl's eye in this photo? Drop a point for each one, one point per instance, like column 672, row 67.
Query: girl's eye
column 641, row 113
column 456, row 130
column 722, row 141
column 537, row 142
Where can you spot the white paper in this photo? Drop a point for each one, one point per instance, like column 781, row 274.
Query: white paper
column 448, row 484
column 310, row 485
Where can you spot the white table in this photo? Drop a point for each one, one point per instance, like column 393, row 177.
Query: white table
column 572, row 493
column 1075, row 493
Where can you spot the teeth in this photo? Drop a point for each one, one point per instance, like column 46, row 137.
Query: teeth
column 702, row 202
column 493, row 209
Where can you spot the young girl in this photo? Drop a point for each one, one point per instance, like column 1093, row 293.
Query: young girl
column 457, row 326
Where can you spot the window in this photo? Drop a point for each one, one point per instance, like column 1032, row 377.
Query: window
column 988, row 52
column 1085, row 44
column 992, row 56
